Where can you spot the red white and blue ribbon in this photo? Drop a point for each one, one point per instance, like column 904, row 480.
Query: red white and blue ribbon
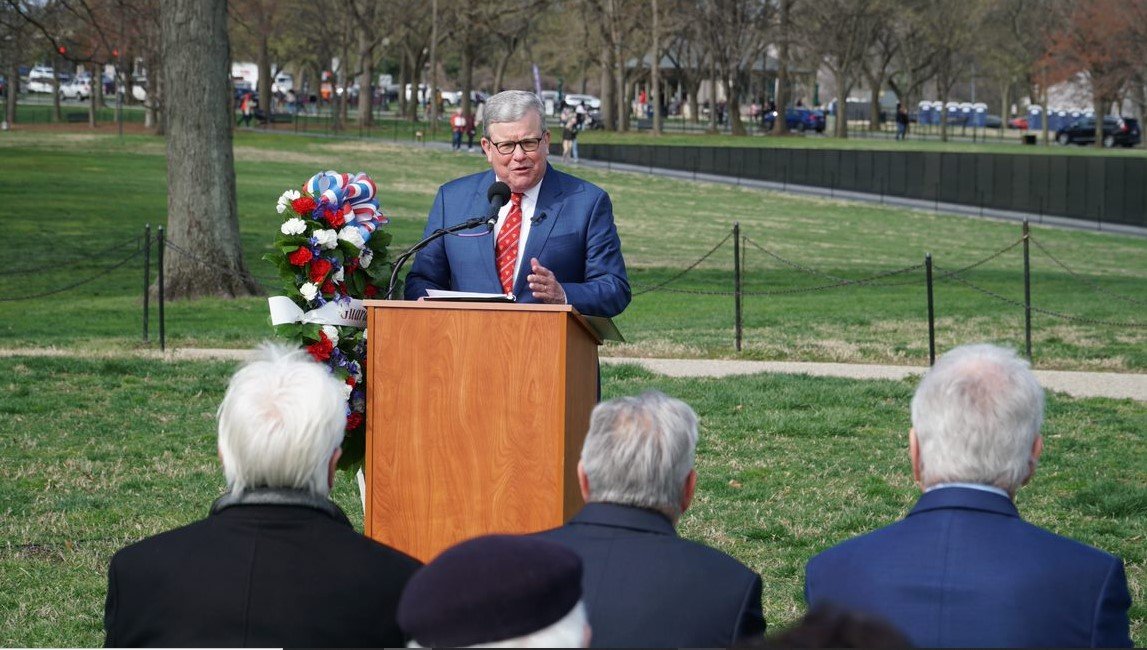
column 352, row 196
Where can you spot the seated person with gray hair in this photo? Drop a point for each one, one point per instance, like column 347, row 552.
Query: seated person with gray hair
column 497, row 591
column 643, row 585
column 963, row 569
column 276, row 563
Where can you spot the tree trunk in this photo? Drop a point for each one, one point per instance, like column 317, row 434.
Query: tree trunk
column 501, row 64
column 608, row 90
column 655, row 72
column 404, row 82
column 95, row 99
column 13, row 74
column 780, row 125
column 205, row 257
column 432, row 109
column 366, row 71
column 265, row 76
column 57, row 113
column 842, row 89
column 622, row 94
column 467, row 80
column 944, row 113
column 733, row 105
column 693, row 88
column 712, row 96
column 1100, row 106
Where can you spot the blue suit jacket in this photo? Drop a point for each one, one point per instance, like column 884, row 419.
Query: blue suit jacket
column 962, row 569
column 644, row 586
column 572, row 234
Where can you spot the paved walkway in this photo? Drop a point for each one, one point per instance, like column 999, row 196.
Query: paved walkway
column 1074, row 383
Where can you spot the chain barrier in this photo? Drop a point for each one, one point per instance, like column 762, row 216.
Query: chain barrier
column 659, row 286
column 85, row 260
column 1089, row 283
column 195, row 258
column 839, row 281
column 134, row 254
column 952, row 275
column 986, row 259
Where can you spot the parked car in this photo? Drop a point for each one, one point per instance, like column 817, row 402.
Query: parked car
column 1018, row 123
column 1117, row 131
column 992, row 121
column 79, row 88
column 454, row 97
column 798, row 118
column 41, row 79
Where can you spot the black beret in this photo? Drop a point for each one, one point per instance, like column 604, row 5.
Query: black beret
column 490, row 589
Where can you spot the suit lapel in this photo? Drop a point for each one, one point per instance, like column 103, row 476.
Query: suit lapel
column 546, row 214
column 483, row 247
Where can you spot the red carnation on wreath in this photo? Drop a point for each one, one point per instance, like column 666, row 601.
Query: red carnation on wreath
column 319, row 270
column 301, row 256
column 304, row 205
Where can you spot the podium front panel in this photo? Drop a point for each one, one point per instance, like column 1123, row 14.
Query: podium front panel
column 476, row 418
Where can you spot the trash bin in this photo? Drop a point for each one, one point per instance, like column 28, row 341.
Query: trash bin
column 1029, row 138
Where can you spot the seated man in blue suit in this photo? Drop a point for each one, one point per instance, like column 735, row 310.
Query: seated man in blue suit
column 643, row 585
column 962, row 569
column 554, row 242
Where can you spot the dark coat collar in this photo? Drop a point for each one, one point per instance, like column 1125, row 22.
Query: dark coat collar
column 966, row 499
column 280, row 497
column 622, row 516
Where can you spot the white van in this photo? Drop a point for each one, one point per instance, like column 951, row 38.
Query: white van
column 283, row 82
column 41, row 79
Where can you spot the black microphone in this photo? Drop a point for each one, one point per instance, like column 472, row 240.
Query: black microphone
column 497, row 195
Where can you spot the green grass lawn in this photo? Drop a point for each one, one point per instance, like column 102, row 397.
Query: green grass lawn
column 99, row 453
column 78, row 204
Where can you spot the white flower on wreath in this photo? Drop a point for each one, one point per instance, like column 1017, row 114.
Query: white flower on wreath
column 326, row 238
column 285, row 201
column 309, row 290
column 293, row 226
column 352, row 235
column 338, row 276
column 347, row 390
column 332, row 333
column 366, row 258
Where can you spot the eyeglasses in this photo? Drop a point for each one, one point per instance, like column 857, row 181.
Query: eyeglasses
column 528, row 145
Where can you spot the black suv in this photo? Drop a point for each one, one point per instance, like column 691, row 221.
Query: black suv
column 1117, row 131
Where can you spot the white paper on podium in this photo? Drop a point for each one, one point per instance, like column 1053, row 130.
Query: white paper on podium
column 472, row 296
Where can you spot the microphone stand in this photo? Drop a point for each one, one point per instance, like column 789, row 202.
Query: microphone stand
column 441, row 232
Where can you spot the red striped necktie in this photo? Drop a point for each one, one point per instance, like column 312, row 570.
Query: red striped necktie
column 506, row 249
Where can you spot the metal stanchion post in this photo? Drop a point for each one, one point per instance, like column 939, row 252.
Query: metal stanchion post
column 146, row 276
column 931, row 311
column 737, row 282
column 162, row 331
column 1027, row 294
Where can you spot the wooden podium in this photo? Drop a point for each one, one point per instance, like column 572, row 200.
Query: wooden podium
column 476, row 414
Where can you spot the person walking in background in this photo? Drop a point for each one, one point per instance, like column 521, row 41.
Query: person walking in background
column 963, row 569
column 645, row 586
column 457, row 128
column 276, row 563
column 246, row 109
column 569, row 123
column 901, row 121
column 580, row 117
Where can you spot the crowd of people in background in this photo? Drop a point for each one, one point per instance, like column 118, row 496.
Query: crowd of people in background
column 278, row 564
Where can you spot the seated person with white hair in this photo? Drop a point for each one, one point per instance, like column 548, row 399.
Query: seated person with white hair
column 645, row 586
column 963, row 569
column 497, row 591
column 276, row 563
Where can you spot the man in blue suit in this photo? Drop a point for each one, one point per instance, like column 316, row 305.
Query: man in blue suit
column 554, row 242
column 643, row 585
column 962, row 569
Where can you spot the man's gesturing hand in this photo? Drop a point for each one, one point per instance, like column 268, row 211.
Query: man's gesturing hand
column 544, row 285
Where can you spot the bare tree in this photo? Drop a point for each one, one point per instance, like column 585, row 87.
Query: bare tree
column 951, row 30
column 877, row 64
column 841, row 30
column 783, row 41
column 735, row 33
column 202, row 219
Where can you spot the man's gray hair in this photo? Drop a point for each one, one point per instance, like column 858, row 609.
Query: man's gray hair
column 639, row 451
column 280, row 421
column 977, row 414
column 511, row 106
